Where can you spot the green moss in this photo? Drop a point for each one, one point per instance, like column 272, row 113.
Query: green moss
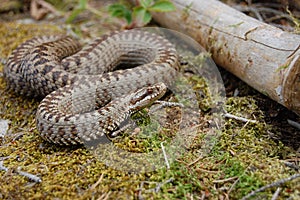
column 10, row 5
column 12, row 34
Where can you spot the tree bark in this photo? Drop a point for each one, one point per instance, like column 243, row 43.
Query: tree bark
column 265, row 57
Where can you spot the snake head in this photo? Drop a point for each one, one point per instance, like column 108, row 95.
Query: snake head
column 146, row 96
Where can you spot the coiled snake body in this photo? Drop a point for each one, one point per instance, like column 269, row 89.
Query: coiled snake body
column 79, row 81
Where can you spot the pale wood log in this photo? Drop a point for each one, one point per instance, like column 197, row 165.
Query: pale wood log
column 265, row 57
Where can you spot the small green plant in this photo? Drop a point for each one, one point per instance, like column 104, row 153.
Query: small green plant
column 140, row 14
column 82, row 6
column 136, row 16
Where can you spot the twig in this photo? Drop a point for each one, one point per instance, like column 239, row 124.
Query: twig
column 276, row 194
column 104, row 196
column 165, row 155
column 159, row 185
column 4, row 158
column 107, row 195
column 226, row 180
column 140, row 197
column 3, row 127
column 277, row 183
column 2, row 167
column 275, row 12
column 257, row 10
column 283, row 27
column 250, row 9
column 195, row 161
column 291, row 165
column 233, row 185
column 206, row 171
column 228, row 115
column 97, row 183
column 31, row 177
column 294, row 124
column 155, row 189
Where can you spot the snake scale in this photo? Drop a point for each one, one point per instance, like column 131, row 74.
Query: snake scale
column 89, row 91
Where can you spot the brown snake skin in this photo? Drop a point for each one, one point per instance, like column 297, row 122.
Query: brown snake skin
column 86, row 99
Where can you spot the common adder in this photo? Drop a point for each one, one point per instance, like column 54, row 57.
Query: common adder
column 85, row 98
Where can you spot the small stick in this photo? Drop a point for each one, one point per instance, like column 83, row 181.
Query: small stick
column 165, row 155
column 159, row 185
column 156, row 189
column 30, row 176
column 225, row 180
column 140, row 197
column 276, row 194
column 97, row 183
column 254, row 10
column 206, row 171
column 294, row 124
column 233, row 185
column 107, row 195
column 291, row 165
column 4, row 158
column 195, row 161
column 228, row 115
column 104, row 196
column 2, row 167
column 277, row 183
column 26, row 174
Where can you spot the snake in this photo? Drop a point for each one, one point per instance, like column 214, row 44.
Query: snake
column 89, row 90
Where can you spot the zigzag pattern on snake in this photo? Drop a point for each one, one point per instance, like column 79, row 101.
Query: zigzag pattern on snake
column 86, row 99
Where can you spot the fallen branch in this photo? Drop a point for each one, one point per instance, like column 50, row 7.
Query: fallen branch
column 262, row 55
column 275, row 184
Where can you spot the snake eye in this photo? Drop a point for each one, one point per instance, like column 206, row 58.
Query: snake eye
column 147, row 95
